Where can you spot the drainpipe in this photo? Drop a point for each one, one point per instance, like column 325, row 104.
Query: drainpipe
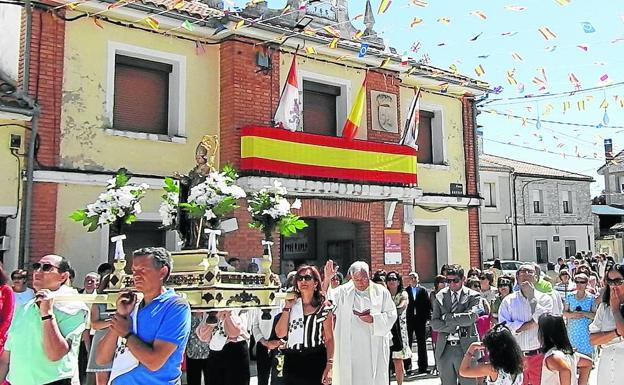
column 515, row 215
column 28, row 190
column 27, row 41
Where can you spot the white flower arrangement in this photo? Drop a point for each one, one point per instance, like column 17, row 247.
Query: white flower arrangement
column 215, row 197
column 120, row 203
column 269, row 209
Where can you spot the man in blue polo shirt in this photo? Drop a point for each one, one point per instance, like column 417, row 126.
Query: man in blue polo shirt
column 154, row 335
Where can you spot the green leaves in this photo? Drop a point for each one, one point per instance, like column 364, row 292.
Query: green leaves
column 227, row 205
column 194, row 210
column 290, row 224
column 91, row 223
column 79, row 215
column 171, row 186
column 122, row 178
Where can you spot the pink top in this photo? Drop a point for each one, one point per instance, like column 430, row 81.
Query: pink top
column 7, row 304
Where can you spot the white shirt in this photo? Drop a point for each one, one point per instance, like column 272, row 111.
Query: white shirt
column 551, row 377
column 515, row 310
column 24, row 296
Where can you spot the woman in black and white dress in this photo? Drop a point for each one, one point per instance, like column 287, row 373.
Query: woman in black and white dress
column 308, row 325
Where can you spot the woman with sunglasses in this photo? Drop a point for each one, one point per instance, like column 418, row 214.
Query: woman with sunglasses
column 400, row 348
column 504, row 366
column 561, row 363
column 504, row 286
column 579, row 312
column 307, row 324
column 608, row 327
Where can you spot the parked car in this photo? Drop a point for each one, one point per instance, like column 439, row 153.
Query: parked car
column 509, row 266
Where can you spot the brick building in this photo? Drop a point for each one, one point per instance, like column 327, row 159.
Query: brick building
column 227, row 82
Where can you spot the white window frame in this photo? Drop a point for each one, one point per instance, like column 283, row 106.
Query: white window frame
column 495, row 243
column 177, row 91
column 493, row 194
column 438, row 137
column 540, row 192
column 343, row 102
column 569, row 194
column 576, row 244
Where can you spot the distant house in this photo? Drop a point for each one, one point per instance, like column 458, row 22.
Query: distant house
column 532, row 212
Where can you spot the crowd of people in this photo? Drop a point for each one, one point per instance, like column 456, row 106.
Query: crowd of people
column 533, row 327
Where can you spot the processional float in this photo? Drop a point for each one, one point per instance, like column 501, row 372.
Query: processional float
column 196, row 205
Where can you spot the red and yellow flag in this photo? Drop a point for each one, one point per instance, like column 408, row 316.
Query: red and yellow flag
column 355, row 116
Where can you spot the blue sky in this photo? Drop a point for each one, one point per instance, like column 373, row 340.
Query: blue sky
column 600, row 53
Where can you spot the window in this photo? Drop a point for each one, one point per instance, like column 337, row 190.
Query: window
column 145, row 93
column 319, row 108
column 140, row 234
column 141, row 95
column 491, row 244
column 570, row 248
column 425, row 137
column 489, row 193
column 567, row 202
column 541, row 251
column 538, row 201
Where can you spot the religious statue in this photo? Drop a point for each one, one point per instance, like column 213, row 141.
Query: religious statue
column 188, row 227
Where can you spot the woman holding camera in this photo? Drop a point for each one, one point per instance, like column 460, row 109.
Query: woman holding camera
column 579, row 311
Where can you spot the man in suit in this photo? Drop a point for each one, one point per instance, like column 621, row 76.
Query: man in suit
column 454, row 315
column 418, row 313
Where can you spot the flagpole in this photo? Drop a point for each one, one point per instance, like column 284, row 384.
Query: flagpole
column 274, row 111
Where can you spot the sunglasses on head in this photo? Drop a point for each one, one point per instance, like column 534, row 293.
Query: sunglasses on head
column 306, row 277
column 581, row 281
column 388, row 279
column 45, row 267
column 453, row 280
column 615, row 282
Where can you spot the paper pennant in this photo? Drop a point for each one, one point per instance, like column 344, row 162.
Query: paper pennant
column 286, row 9
column 480, row 14
column 178, row 4
column 604, row 78
column 574, row 80
column 187, row 25
column 604, row 104
column 309, row 32
column 199, row 48
column 509, row 34
column 341, row 58
column 483, row 56
column 239, row 24
column 584, row 47
column 334, row 43
column 413, row 69
column 419, row 3
column 404, row 60
column 97, row 22
column 444, row 87
column 415, row 22
column 331, row 30
column 454, row 69
column 562, row 3
column 73, row 5
column 116, row 4
column 383, row 6
column 479, row 70
column 515, row 8
column 516, row 56
column 416, row 47
column 444, row 20
column 310, row 50
column 152, row 22
column 476, row 37
column 510, row 77
column 358, row 34
column 587, row 27
column 363, row 50
column 580, row 105
column 547, row 33
column 385, row 62
column 220, row 27
column 566, row 106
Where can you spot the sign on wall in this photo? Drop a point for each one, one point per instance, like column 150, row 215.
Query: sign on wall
column 392, row 246
column 384, row 112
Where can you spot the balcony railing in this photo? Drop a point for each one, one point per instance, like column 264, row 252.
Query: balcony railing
column 274, row 151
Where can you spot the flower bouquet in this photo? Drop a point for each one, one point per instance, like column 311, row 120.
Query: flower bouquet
column 168, row 209
column 119, row 204
column 209, row 201
column 270, row 210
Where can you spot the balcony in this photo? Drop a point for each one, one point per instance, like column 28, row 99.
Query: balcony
column 278, row 152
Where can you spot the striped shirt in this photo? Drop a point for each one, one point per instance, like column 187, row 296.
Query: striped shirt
column 515, row 310
column 313, row 329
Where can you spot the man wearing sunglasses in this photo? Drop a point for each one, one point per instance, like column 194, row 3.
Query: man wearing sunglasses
column 455, row 313
column 43, row 341
column 521, row 311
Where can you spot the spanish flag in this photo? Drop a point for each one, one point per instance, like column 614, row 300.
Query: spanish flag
column 355, row 117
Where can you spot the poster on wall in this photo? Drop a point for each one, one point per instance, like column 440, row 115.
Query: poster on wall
column 392, row 246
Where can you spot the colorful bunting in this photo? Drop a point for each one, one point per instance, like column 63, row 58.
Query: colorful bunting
column 199, row 48
column 177, row 4
column 551, row 48
column 516, row 56
column 420, row 3
column 96, row 21
column 587, row 27
column 404, row 60
column 515, row 8
column 385, row 62
column 584, row 47
column 363, row 50
column 547, row 33
column 479, row 70
column 383, row 6
column 331, row 30
column 476, row 37
column 310, row 50
column 444, row 20
column 358, row 34
column 334, row 43
column 444, row 88
column 581, row 105
column 187, row 25
column 604, row 78
column 480, row 14
column 566, row 106
column 239, row 24
column 415, row 22
column 562, row 3
column 152, row 22
column 509, row 34
column 358, row 16
column 454, row 69
column 604, row 104
column 574, row 80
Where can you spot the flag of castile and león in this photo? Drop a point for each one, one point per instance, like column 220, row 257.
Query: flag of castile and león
column 355, row 116
column 288, row 114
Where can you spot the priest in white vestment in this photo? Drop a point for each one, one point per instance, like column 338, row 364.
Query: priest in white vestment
column 365, row 314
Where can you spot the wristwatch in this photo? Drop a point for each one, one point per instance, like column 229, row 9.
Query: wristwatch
column 47, row 317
